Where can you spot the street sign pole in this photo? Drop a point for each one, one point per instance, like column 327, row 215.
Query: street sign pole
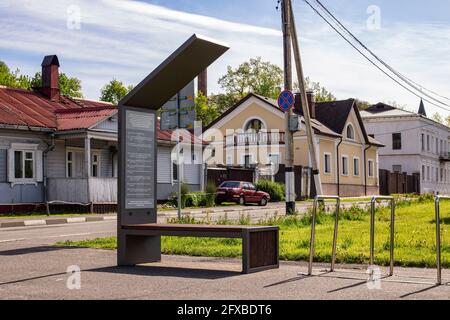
column 178, row 155
column 289, row 139
column 307, row 116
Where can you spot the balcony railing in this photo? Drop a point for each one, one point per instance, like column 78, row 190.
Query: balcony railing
column 444, row 156
column 259, row 138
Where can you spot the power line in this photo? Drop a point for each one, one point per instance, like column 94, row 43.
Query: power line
column 368, row 59
column 398, row 74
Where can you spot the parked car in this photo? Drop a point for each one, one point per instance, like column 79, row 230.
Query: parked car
column 241, row 192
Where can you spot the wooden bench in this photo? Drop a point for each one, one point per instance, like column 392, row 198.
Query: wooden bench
column 259, row 243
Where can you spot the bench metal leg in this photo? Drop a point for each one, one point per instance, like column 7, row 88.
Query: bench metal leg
column 134, row 249
column 260, row 251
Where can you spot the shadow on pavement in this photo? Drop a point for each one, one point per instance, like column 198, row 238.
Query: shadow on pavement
column 33, row 278
column 22, row 251
column 419, row 291
column 157, row 271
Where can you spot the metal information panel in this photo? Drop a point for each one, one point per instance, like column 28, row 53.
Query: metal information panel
column 140, row 159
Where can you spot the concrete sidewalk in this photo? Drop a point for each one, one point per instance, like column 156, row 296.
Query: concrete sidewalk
column 41, row 273
column 27, row 222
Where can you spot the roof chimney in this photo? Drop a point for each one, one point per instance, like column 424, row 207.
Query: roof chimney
column 203, row 82
column 50, row 77
column 311, row 104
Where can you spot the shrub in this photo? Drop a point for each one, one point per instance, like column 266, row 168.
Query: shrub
column 173, row 198
column 276, row 190
column 211, row 193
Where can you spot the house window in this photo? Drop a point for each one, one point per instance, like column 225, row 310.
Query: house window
column 423, row 142
column 229, row 160
column 397, row 168
column 428, row 142
column 254, row 125
column 370, row 168
column 23, row 164
column 442, row 174
column 174, row 171
column 345, row 165
column 327, row 163
column 423, row 173
column 95, row 165
column 428, row 173
column 356, row 166
column 397, row 141
column 350, row 132
column 69, row 164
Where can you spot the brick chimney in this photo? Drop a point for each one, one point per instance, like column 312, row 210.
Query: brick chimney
column 311, row 104
column 203, row 82
column 50, row 77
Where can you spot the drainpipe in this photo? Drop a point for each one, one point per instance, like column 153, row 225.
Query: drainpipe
column 365, row 170
column 50, row 147
column 338, row 172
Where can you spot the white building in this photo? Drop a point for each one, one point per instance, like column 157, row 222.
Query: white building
column 414, row 144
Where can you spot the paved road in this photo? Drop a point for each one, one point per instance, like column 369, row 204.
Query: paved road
column 31, row 268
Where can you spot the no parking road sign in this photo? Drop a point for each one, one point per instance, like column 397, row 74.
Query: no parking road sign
column 286, row 100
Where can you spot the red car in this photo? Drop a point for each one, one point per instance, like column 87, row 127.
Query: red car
column 241, row 192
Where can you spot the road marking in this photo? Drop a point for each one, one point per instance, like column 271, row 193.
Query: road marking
column 110, row 218
column 12, row 240
column 69, row 235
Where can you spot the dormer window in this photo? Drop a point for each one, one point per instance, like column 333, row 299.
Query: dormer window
column 350, row 132
column 254, row 125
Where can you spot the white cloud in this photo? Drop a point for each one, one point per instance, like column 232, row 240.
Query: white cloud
column 128, row 39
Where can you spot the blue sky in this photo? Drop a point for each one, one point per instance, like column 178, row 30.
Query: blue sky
column 127, row 39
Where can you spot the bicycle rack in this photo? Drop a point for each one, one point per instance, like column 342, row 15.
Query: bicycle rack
column 313, row 230
column 438, row 237
column 372, row 230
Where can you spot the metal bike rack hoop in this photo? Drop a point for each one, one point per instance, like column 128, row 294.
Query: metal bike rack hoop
column 372, row 230
column 438, row 236
column 313, row 230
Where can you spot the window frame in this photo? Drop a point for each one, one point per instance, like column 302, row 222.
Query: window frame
column 356, row 174
column 346, row 172
column 325, row 165
column 350, row 126
column 397, row 142
column 371, row 168
column 97, row 163
column 37, row 163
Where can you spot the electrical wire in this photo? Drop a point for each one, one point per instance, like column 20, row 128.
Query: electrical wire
column 372, row 62
column 398, row 74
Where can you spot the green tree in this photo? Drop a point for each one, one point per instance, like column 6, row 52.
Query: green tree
column 68, row 86
column 447, row 121
column 257, row 76
column 114, row 91
column 205, row 111
column 361, row 104
column 438, row 118
column 321, row 93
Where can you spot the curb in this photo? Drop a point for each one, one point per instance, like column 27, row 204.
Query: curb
column 53, row 221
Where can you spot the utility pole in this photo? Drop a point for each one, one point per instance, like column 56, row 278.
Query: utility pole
column 289, row 138
column 305, row 107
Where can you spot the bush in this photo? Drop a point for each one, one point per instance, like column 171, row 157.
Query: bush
column 196, row 199
column 276, row 190
column 211, row 193
column 173, row 198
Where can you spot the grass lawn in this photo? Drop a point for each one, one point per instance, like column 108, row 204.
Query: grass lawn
column 414, row 237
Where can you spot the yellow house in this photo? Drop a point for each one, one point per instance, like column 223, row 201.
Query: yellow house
column 251, row 135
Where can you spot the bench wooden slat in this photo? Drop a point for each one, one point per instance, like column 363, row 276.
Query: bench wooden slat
column 195, row 227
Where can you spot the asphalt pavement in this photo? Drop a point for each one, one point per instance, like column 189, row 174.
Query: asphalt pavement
column 31, row 267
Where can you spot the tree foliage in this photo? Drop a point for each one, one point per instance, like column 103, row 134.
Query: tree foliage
column 114, row 91
column 69, row 86
column 438, row 118
column 321, row 93
column 205, row 111
column 256, row 76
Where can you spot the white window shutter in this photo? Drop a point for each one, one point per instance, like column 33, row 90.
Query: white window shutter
column 10, row 165
column 39, row 166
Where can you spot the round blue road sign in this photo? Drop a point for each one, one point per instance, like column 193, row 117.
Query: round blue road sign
column 286, row 100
